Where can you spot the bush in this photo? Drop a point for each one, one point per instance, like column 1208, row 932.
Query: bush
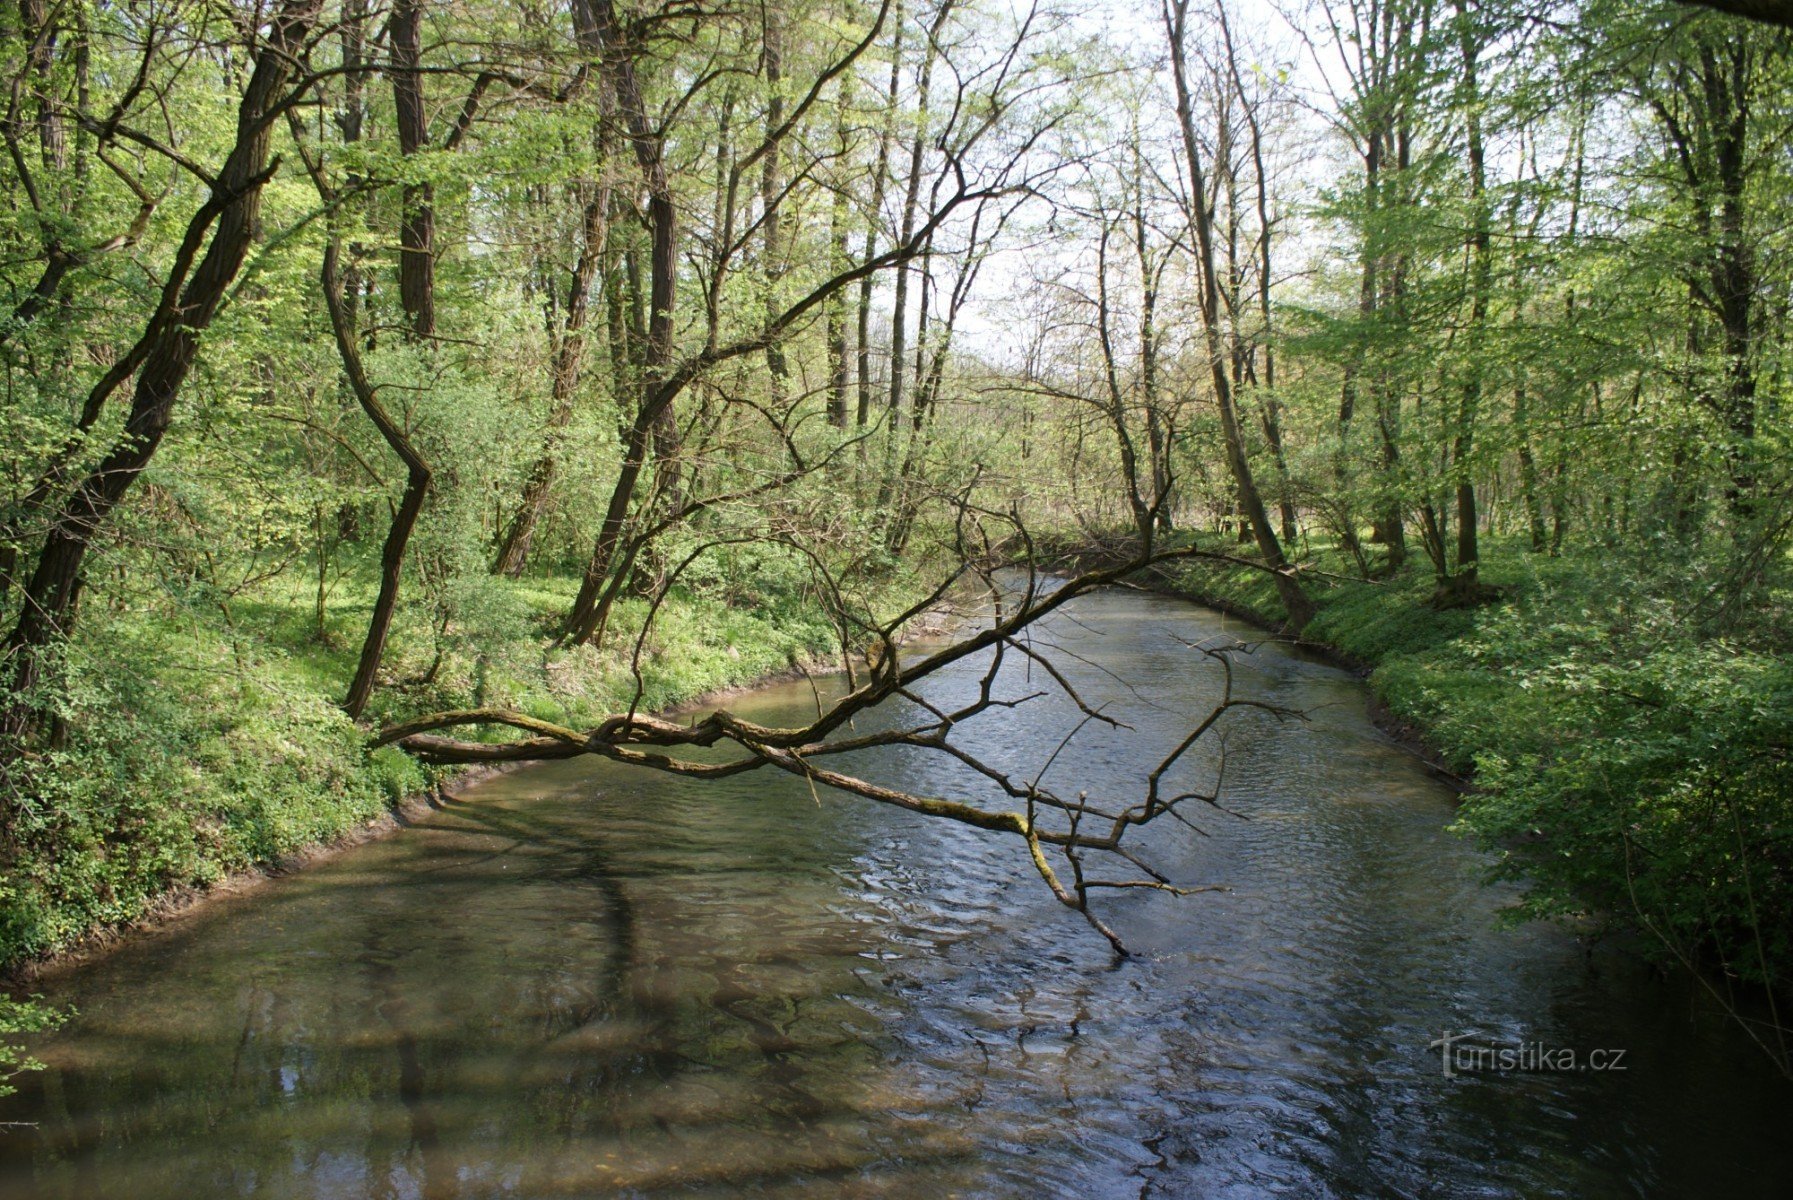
column 22, row 1016
column 1657, row 785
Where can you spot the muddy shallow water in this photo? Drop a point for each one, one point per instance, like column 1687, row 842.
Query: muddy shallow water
column 579, row 980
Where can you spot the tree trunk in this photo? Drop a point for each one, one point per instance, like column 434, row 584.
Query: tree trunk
column 1300, row 608
column 1272, row 415
column 874, row 213
column 404, row 518
column 1734, row 271
column 569, row 354
column 655, row 420
column 1158, row 440
column 169, row 346
column 1463, row 585
column 1116, row 406
column 771, row 187
column 417, row 219
column 899, row 313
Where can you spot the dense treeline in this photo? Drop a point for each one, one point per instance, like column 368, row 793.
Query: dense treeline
column 366, row 360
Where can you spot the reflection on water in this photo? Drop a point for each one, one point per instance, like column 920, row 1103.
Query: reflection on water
column 579, row 980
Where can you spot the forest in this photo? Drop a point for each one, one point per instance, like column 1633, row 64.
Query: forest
column 393, row 385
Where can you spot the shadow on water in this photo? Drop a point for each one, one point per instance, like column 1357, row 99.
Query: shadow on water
column 577, row 980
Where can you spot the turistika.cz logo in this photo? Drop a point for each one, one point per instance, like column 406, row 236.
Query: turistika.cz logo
column 1462, row 1054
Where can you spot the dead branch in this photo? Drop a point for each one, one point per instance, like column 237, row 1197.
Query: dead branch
column 1042, row 818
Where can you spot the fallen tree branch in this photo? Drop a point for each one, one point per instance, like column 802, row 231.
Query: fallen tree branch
column 1043, row 819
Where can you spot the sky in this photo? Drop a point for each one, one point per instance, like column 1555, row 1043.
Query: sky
column 1267, row 42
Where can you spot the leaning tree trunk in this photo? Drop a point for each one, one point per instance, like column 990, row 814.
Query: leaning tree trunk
column 404, row 519
column 655, row 421
column 569, row 354
column 1272, row 413
column 167, row 351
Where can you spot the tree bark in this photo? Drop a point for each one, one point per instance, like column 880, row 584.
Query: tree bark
column 167, row 351
column 1295, row 600
column 417, row 220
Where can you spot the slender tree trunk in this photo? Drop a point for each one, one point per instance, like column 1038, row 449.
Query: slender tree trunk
column 569, row 354
column 840, row 368
column 875, row 214
column 570, row 339
column 899, row 313
column 410, row 506
column 1272, row 413
column 1368, row 293
column 417, row 216
column 656, row 420
column 771, row 189
column 1528, row 465
column 1734, row 271
column 350, row 119
column 1158, row 437
column 1116, row 406
column 1390, row 525
column 1300, row 608
column 1464, row 586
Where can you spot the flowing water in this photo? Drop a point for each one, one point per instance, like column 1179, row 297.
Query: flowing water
column 582, row 980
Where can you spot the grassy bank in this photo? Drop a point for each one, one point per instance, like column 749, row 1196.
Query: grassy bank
column 204, row 738
column 1632, row 753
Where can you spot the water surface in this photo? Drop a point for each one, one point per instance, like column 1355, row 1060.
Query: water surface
column 581, row 980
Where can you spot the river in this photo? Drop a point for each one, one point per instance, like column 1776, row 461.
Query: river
column 581, row 980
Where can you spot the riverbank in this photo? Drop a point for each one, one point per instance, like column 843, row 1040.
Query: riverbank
column 1618, row 750
column 1359, row 626
column 204, row 759
column 572, row 984
column 183, row 901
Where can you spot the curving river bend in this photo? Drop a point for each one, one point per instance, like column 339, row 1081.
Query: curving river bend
column 578, row 981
